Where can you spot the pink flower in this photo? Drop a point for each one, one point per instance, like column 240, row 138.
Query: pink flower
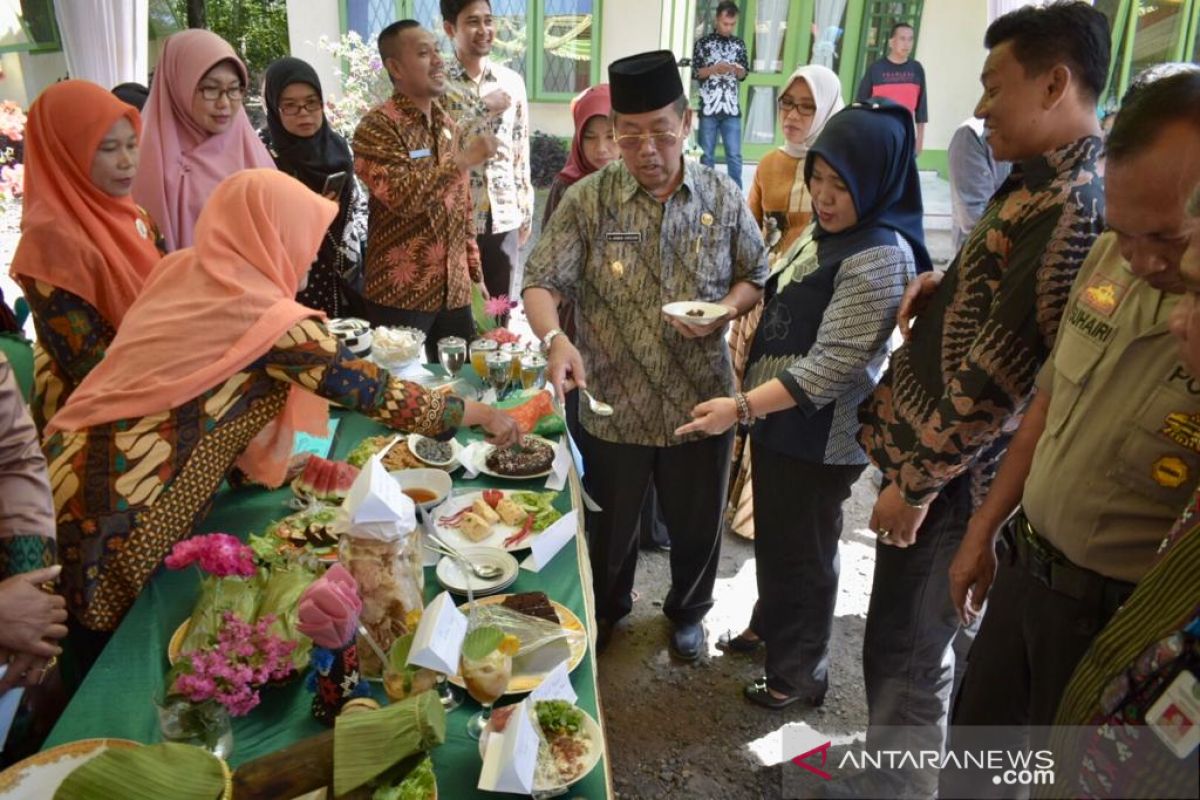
column 218, row 554
column 498, row 306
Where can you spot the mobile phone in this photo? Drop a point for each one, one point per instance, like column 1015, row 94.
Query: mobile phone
column 333, row 184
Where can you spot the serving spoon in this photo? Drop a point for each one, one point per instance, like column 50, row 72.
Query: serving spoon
column 598, row 407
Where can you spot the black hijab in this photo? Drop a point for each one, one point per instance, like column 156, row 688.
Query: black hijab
column 872, row 145
column 134, row 94
column 313, row 159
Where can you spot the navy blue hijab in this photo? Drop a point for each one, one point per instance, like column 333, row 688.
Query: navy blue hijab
column 872, row 145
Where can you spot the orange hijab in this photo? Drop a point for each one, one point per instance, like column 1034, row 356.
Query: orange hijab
column 73, row 235
column 208, row 311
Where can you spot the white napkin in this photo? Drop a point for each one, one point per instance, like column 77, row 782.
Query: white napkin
column 376, row 507
column 471, row 457
column 545, row 545
column 561, row 467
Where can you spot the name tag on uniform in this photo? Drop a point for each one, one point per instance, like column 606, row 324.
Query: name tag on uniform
column 623, row 236
column 424, row 152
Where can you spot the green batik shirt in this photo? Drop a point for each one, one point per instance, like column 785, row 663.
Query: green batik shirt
column 621, row 255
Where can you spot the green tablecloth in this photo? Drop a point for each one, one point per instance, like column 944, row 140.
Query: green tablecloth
column 116, row 700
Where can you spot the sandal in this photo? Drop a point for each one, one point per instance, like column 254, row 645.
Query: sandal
column 759, row 694
column 728, row 643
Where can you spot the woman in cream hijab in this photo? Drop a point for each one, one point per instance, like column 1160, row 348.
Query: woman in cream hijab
column 781, row 203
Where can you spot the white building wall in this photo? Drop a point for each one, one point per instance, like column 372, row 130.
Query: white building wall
column 951, row 50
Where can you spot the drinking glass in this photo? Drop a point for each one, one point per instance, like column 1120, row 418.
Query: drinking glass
column 480, row 348
column 515, row 351
column 452, row 354
column 486, row 679
column 499, row 371
column 533, row 371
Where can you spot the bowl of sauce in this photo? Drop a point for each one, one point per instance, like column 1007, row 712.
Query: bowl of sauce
column 427, row 488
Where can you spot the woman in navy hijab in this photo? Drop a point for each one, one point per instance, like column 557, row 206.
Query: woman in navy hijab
column 818, row 353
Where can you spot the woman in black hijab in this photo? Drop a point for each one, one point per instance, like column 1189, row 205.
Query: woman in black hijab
column 307, row 148
column 819, row 351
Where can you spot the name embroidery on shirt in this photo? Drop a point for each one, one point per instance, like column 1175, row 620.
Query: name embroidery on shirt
column 1180, row 377
column 623, row 236
column 1090, row 325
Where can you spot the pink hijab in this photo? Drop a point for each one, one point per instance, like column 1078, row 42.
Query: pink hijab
column 181, row 162
column 207, row 312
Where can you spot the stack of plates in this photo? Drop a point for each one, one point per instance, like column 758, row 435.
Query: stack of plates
column 451, row 575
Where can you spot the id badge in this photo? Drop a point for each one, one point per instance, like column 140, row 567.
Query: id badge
column 1175, row 715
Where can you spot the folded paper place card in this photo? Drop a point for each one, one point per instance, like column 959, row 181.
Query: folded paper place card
column 561, row 467
column 471, row 457
column 545, row 545
column 376, row 497
column 439, row 637
column 556, row 686
column 511, row 757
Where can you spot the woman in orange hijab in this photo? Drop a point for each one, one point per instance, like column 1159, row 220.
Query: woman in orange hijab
column 85, row 247
column 215, row 363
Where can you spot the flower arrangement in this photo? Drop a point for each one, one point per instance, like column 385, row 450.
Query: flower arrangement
column 365, row 83
column 12, row 137
column 244, row 657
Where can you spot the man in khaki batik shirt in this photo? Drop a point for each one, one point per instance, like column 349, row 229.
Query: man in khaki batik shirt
column 1108, row 453
column 642, row 232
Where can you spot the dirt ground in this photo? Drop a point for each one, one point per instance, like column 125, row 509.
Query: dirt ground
column 684, row 730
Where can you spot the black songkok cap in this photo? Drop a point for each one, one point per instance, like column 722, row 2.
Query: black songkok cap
column 644, row 82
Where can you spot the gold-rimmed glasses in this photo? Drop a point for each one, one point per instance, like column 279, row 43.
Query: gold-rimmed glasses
column 660, row 139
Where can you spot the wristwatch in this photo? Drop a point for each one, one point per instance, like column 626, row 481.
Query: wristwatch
column 550, row 336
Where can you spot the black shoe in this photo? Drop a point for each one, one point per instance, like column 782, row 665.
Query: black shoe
column 652, row 546
column 759, row 694
column 729, row 643
column 687, row 641
column 604, row 630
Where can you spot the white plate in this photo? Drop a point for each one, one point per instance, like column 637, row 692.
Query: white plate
column 39, row 776
column 679, row 310
column 455, row 449
column 590, row 727
column 486, row 450
column 456, row 539
column 451, row 576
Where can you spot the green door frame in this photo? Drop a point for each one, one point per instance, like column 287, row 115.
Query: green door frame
column 1125, row 32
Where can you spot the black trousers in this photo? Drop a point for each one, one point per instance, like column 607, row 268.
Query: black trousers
column 797, row 525
column 435, row 324
column 690, row 480
column 500, row 255
column 1029, row 644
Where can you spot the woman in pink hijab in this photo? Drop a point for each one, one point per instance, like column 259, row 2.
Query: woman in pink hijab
column 195, row 133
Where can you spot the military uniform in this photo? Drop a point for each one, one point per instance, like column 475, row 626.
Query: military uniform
column 1117, row 461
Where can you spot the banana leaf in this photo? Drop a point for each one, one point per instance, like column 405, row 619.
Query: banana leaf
column 178, row 771
column 218, row 595
column 366, row 745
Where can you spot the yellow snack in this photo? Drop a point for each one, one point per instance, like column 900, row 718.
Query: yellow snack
column 511, row 513
column 509, row 645
column 484, row 510
column 475, row 527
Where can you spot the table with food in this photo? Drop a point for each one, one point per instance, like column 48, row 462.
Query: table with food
column 315, row 640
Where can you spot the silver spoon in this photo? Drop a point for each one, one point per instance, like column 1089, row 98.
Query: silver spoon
column 600, row 409
column 485, row 572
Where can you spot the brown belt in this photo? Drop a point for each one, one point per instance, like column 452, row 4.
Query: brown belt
column 1054, row 570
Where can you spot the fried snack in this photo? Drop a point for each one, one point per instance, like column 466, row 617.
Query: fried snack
column 510, row 512
column 475, row 527
column 482, row 509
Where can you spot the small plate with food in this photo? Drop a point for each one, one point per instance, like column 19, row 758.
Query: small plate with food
column 532, row 458
column 398, row 457
column 443, row 455
column 695, row 312
column 308, row 529
column 571, row 742
column 494, row 518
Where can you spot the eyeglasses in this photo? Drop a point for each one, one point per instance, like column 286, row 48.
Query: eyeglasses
column 213, row 93
column 788, row 105
column 660, row 139
column 290, row 109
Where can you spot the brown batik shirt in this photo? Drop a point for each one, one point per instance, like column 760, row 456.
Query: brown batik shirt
column 956, row 389
column 621, row 255
column 421, row 251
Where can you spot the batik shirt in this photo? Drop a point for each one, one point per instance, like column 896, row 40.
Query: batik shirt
column 502, row 187
column 621, row 255
column 956, row 389
column 126, row 491
column 719, row 93
column 421, row 251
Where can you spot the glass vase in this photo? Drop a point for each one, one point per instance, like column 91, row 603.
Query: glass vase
column 205, row 724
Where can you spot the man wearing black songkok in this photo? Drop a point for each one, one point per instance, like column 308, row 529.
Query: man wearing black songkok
column 648, row 230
